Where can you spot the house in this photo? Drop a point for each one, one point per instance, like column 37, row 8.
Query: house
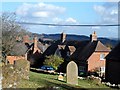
column 112, row 72
column 34, row 52
column 60, row 48
column 91, row 57
column 31, row 50
column 89, row 54
column 17, row 53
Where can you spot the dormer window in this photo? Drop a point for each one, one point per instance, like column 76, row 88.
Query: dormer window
column 102, row 56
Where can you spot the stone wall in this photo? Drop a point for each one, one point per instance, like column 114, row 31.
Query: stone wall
column 12, row 74
column 24, row 67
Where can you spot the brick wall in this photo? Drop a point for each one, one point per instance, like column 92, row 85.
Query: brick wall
column 95, row 62
column 36, row 49
column 11, row 59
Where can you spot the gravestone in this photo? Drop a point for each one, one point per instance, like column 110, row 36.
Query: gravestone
column 72, row 73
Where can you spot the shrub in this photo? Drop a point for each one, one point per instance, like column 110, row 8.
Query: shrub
column 53, row 61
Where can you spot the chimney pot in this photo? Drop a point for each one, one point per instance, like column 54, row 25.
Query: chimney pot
column 93, row 37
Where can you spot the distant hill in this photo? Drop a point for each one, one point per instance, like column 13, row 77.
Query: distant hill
column 106, row 41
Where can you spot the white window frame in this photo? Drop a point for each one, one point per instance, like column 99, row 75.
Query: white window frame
column 102, row 56
column 102, row 69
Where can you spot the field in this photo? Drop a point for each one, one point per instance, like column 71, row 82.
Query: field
column 47, row 82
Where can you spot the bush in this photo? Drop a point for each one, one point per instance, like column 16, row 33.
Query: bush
column 53, row 61
column 93, row 79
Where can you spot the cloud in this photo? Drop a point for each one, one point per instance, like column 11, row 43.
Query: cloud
column 39, row 10
column 99, row 9
column 49, row 13
column 68, row 20
column 108, row 12
column 41, row 14
column 24, row 9
column 45, row 13
column 109, row 15
column 71, row 20
column 114, row 12
column 50, row 7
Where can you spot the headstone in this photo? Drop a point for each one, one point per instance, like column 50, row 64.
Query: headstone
column 72, row 73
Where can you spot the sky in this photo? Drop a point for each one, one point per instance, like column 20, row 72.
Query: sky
column 70, row 13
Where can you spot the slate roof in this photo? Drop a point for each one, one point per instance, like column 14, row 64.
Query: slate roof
column 39, row 45
column 51, row 49
column 29, row 47
column 58, row 45
column 114, row 54
column 19, row 49
column 42, row 47
column 81, row 45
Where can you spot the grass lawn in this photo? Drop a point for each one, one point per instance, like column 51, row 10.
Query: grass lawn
column 45, row 81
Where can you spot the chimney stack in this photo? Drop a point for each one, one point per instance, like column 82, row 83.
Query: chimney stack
column 26, row 39
column 35, row 40
column 93, row 37
column 63, row 37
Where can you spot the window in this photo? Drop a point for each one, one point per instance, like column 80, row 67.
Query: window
column 81, row 68
column 102, row 56
column 102, row 69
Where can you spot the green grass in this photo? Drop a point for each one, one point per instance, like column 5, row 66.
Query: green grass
column 90, row 84
column 44, row 81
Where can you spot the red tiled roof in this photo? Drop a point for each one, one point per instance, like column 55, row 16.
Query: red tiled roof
column 101, row 48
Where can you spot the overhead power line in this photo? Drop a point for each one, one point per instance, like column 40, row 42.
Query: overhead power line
column 83, row 25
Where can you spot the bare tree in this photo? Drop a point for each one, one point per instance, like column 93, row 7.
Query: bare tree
column 10, row 30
